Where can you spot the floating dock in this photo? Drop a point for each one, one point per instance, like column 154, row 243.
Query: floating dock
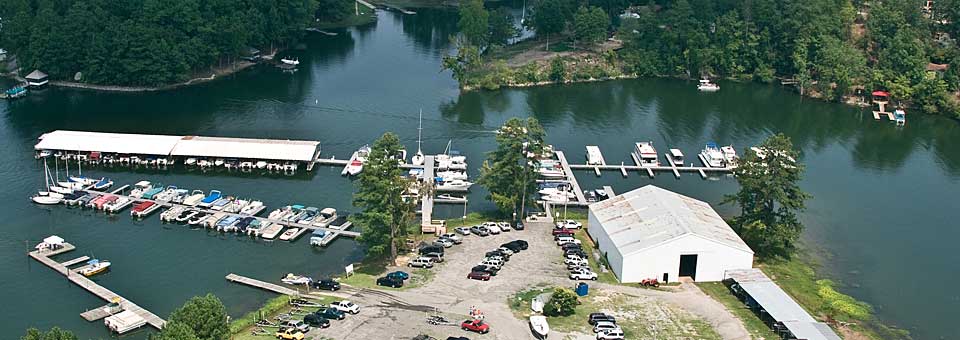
column 262, row 285
column 44, row 256
column 571, row 178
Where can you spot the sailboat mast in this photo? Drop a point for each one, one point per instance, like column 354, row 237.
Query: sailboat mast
column 419, row 130
column 57, row 166
column 46, row 174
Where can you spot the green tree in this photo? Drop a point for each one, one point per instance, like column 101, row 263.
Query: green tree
column 769, row 198
column 590, row 24
column 466, row 60
column 384, row 213
column 474, row 22
column 549, row 18
column 54, row 333
column 509, row 172
column 204, row 315
column 558, row 70
column 174, row 330
column 501, row 26
column 563, row 302
column 838, row 65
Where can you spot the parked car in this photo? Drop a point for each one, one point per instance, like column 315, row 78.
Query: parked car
column 475, row 325
column 316, row 321
column 389, row 282
column 453, row 237
column 330, row 313
column 505, row 256
column 289, row 334
column 401, row 275
column 571, row 246
column 569, row 224
column 561, row 231
column 435, row 257
column 325, row 284
column 495, row 259
column 506, row 250
column 505, row 226
column 482, row 276
column 481, row 230
column 564, row 240
column 596, row 317
column 421, row 262
column 518, row 226
column 346, row 306
column 583, row 274
column 446, row 243
column 616, row 334
column 296, row 324
column 483, row 268
column 516, row 245
column 457, row 338
column 604, row 326
column 494, row 229
column 463, row 230
column 430, row 249
column 490, row 263
column 575, row 261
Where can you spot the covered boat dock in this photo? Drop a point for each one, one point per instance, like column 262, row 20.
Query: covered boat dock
column 180, row 147
column 777, row 309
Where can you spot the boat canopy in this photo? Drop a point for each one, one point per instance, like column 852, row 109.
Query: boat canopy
column 53, row 240
column 328, row 211
column 881, row 93
column 712, row 145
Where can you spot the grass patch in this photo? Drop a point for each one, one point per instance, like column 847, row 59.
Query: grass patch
column 797, row 276
column 473, row 219
column 588, row 247
column 718, row 291
column 242, row 328
column 366, row 273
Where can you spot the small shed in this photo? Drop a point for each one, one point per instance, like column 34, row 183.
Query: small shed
column 656, row 233
column 37, row 79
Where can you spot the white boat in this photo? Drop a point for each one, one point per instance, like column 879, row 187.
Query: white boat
column 252, row 208
column 218, row 162
column 245, row 165
column 203, row 163
column 557, row 191
column 355, row 166
column 706, row 86
column 47, row 197
column 452, row 175
column 287, row 235
column 552, row 172
column 711, row 155
column 261, row 164
column 191, row 161
column 452, row 198
column 118, row 205
column 139, row 188
column 646, row 154
column 417, row 158
column 594, row 157
column 730, row 157
column 556, row 198
column 195, row 197
column 270, row 230
column 537, row 303
column 124, row 321
column 94, row 267
column 539, row 326
column 676, row 157
column 290, row 61
column 454, row 185
column 327, row 215
column 292, row 279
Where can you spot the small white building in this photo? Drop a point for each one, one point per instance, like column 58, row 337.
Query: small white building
column 655, row 233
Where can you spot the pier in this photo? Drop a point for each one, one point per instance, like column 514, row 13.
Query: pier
column 44, row 256
column 261, row 284
column 571, row 178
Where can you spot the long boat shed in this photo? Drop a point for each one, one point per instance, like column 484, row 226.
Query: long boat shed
column 171, row 146
column 775, row 307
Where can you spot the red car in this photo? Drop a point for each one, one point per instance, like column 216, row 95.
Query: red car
column 562, row 231
column 478, row 275
column 475, row 326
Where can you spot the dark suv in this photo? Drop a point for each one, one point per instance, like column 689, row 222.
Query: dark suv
column 390, row 282
column 326, row 284
column 316, row 321
column 431, row 249
column 596, row 317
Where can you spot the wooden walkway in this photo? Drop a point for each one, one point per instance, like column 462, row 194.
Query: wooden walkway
column 426, row 202
column 651, row 168
column 571, row 178
column 262, row 285
column 75, row 261
column 93, row 287
column 609, row 191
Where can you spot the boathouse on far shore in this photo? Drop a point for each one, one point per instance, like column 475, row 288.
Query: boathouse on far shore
column 37, row 79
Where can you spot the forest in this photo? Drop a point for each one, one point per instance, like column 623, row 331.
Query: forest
column 146, row 42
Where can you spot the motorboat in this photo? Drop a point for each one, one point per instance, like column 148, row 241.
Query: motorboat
column 143, row 209
column 100, row 201
column 646, row 154
column 452, row 198
column 594, row 157
column 203, row 164
column 293, row 62
column 198, row 218
column 235, row 206
column 214, row 219
column 243, row 223
column 213, row 196
column 316, row 238
column 296, row 212
column 675, row 157
column 327, row 215
column 270, row 230
column 309, row 214
column 102, row 184
column 730, row 157
column 227, row 223
column 452, row 174
column 150, row 194
column 85, row 199
column 219, row 162
column 279, row 213
column 356, row 161
column 711, row 155
column 255, row 227
column 453, row 185
column 552, row 172
column 556, row 198
column 118, row 205
column 83, row 181
column 292, row 279
column 186, row 216
column 171, row 214
column 195, row 197
column 289, row 234
column 563, row 188
column 253, row 208
column 190, row 161
column 220, row 203
column 706, row 85
column 94, row 267
column 139, row 188
column 539, row 326
column 261, row 164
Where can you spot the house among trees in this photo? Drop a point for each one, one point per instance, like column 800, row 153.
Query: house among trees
column 938, row 69
column 37, row 79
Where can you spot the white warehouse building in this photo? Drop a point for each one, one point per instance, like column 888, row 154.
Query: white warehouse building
column 656, row 233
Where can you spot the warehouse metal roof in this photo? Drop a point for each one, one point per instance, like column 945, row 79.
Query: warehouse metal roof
column 123, row 143
column 167, row 145
column 649, row 216
column 779, row 305
column 293, row 150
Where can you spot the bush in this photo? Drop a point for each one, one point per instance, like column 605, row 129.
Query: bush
column 842, row 305
column 562, row 303
column 558, row 70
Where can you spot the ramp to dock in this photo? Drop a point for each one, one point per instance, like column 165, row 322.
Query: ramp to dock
column 93, row 287
column 261, row 284
column 568, row 172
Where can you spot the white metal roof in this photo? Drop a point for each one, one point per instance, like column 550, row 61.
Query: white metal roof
column 293, row 150
column 107, row 142
column 780, row 305
column 649, row 216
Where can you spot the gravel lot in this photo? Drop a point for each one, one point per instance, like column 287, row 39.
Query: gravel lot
column 401, row 314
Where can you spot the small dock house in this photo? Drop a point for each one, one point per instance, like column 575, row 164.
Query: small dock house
column 37, row 79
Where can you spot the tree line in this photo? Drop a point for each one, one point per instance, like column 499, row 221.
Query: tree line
column 147, row 42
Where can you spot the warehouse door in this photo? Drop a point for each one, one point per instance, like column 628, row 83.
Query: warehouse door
column 688, row 266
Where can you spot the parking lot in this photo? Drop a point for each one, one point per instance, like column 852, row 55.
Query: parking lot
column 402, row 314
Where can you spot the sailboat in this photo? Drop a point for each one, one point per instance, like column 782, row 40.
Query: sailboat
column 47, row 197
column 56, row 188
column 417, row 158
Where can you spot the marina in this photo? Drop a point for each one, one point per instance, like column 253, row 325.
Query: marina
column 43, row 255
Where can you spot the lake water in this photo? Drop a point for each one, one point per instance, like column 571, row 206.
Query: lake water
column 884, row 210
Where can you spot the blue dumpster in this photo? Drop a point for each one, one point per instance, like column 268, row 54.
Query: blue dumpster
column 582, row 289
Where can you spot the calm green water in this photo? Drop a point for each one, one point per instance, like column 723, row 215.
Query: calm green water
column 883, row 213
